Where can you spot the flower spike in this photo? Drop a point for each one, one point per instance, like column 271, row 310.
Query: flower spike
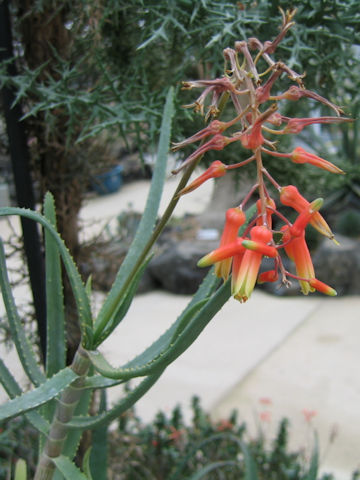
column 246, row 86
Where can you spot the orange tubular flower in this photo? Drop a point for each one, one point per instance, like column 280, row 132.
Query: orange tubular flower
column 296, row 125
column 322, row 287
column 299, row 155
column 298, row 252
column 295, row 93
column 212, row 129
column 291, row 197
column 223, row 253
column 235, row 217
column 216, row 169
column 244, row 274
column 268, row 276
column 217, row 142
column 305, row 217
column 254, row 139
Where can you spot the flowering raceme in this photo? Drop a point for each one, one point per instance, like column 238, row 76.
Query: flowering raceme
column 245, row 242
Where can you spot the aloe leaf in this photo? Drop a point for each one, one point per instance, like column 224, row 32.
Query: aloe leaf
column 86, row 464
column 42, row 394
column 98, row 381
column 81, row 298
column 139, row 366
column 206, row 288
column 98, row 459
column 69, row 470
column 119, row 408
column 20, row 470
column 55, row 318
column 13, row 390
column 23, row 346
column 192, row 329
column 147, row 223
column 250, row 465
column 122, row 308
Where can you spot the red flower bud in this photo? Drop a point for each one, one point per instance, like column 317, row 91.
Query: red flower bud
column 216, row 169
column 299, row 155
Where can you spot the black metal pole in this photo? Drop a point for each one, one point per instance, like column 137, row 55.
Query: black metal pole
column 23, row 183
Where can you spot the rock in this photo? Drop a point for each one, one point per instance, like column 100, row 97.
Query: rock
column 339, row 265
column 176, row 270
column 102, row 262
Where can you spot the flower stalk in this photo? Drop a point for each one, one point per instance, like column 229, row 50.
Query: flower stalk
column 243, row 80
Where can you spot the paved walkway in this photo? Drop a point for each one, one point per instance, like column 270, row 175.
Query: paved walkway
column 293, row 353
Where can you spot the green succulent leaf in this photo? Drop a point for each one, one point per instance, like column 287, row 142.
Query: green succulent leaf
column 314, row 462
column 119, row 408
column 69, row 470
column 37, row 397
column 98, row 460
column 122, row 308
column 20, row 470
column 174, row 342
column 25, row 351
column 135, row 256
column 55, row 318
column 81, row 298
column 13, row 390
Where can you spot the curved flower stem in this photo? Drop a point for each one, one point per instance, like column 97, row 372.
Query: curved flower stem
column 272, row 180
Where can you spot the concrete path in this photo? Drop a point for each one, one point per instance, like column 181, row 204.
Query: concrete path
column 269, row 358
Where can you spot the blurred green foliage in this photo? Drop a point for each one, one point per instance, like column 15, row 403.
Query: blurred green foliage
column 168, row 447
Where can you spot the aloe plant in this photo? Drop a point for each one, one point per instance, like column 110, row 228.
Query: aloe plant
column 70, row 387
column 58, row 402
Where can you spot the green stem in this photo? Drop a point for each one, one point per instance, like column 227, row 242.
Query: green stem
column 64, row 412
column 159, row 228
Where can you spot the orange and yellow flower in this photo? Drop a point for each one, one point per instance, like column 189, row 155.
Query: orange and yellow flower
column 230, row 245
column 297, row 250
column 244, row 273
column 291, row 197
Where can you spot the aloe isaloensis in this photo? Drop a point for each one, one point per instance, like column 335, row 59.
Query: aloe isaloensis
column 58, row 404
